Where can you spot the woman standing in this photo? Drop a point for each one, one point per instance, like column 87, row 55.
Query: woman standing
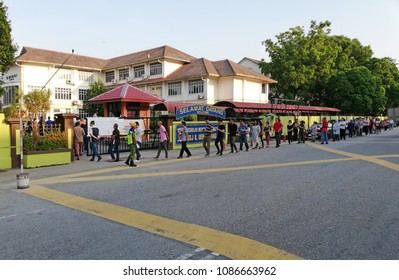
column 295, row 130
column 255, row 135
column 290, row 128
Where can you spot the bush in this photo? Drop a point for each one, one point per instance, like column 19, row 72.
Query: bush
column 51, row 141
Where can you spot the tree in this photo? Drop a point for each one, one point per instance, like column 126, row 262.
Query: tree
column 337, row 71
column 385, row 70
column 7, row 48
column 356, row 91
column 37, row 102
column 301, row 61
column 95, row 89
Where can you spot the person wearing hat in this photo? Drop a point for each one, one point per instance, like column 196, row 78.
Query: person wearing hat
column 131, row 141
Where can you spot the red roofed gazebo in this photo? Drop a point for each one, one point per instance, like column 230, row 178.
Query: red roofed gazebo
column 126, row 101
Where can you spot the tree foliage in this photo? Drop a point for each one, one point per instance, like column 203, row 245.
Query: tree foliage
column 37, row 102
column 304, row 63
column 356, row 91
column 386, row 72
column 7, row 48
column 95, row 89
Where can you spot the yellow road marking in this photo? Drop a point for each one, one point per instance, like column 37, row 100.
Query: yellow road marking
column 113, row 169
column 226, row 244
column 60, row 179
column 371, row 159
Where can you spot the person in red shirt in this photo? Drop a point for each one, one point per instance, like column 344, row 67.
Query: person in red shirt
column 278, row 129
column 324, row 129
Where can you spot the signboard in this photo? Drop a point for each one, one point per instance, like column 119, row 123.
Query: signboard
column 106, row 125
column 195, row 133
column 201, row 110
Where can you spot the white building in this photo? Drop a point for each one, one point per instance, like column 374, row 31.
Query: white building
column 163, row 71
column 251, row 63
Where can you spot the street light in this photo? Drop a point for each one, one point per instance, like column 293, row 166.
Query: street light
column 22, row 178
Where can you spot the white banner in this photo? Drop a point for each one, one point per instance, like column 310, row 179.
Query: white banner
column 106, row 124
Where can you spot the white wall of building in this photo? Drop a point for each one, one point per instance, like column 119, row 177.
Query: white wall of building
column 225, row 89
column 212, row 88
column 169, row 67
column 250, row 65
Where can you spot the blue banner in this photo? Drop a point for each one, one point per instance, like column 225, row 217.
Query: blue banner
column 201, row 110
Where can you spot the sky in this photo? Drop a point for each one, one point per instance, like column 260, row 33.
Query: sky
column 213, row 29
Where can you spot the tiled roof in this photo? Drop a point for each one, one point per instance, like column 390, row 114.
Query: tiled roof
column 223, row 68
column 164, row 52
column 270, row 106
column 250, row 59
column 51, row 57
column 197, row 68
column 230, row 68
column 192, row 68
column 127, row 93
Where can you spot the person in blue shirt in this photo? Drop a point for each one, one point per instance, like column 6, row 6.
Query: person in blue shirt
column 243, row 130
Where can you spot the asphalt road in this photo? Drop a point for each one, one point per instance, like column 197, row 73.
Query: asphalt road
column 310, row 201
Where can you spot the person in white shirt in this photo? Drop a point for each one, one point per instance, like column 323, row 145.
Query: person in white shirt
column 255, row 130
column 342, row 129
column 139, row 132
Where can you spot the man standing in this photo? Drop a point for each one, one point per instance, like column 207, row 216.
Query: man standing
column 131, row 142
column 94, row 134
column 114, row 144
column 243, row 130
column 163, row 140
column 342, row 129
column 232, row 135
column 183, row 135
column 278, row 129
column 220, row 137
column 324, row 130
column 79, row 135
column 49, row 123
column 206, row 142
column 139, row 132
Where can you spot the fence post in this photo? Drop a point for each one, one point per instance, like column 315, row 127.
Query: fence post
column 66, row 122
column 167, row 121
column 15, row 141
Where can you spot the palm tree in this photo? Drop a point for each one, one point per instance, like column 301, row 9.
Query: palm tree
column 37, row 102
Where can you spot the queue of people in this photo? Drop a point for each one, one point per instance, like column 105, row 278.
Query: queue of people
column 258, row 133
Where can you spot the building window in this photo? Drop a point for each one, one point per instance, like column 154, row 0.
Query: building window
column 83, row 94
column 123, row 74
column 263, row 88
column 86, row 76
column 174, row 88
column 10, row 94
column 156, row 89
column 64, row 74
column 195, row 86
column 83, row 114
column 138, row 71
column 63, row 93
column 155, row 68
column 109, row 76
column 32, row 88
